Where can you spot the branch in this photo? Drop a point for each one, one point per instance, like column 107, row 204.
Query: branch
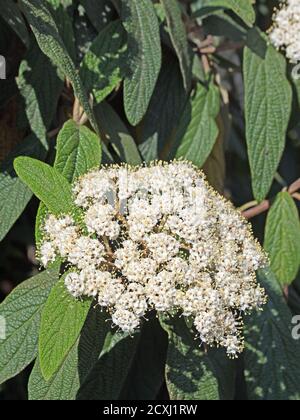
column 255, row 210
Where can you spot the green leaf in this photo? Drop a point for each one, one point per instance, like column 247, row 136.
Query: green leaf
column 179, row 38
column 242, row 8
column 198, row 130
column 215, row 166
column 81, row 358
column 11, row 14
column 146, row 376
column 51, row 43
column 268, row 97
column 144, row 51
column 46, row 183
column 63, row 385
column 99, row 12
column 282, row 238
column 103, row 66
column 22, row 313
column 106, row 380
column 78, row 151
column 40, row 87
column 165, row 109
column 192, row 374
column 272, row 363
column 64, row 24
column 14, row 194
column 116, row 134
column 62, row 320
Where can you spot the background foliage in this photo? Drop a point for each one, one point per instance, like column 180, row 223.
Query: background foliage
column 92, row 81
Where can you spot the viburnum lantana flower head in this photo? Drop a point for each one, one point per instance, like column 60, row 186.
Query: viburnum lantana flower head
column 285, row 32
column 159, row 238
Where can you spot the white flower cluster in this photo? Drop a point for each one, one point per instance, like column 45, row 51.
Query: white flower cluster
column 285, row 32
column 160, row 238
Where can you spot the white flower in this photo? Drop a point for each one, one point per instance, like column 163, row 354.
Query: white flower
column 159, row 238
column 126, row 320
column 134, row 299
column 86, row 252
column 61, row 232
column 285, row 32
column 110, row 291
column 100, row 219
column 75, row 284
column 161, row 291
column 47, row 253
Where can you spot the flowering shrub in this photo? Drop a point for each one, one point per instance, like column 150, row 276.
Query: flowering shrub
column 154, row 145
column 160, row 239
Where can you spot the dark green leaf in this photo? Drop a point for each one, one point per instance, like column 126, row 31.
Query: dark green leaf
column 192, row 374
column 62, row 320
column 282, row 238
column 78, row 151
column 40, row 88
column 81, row 358
column 144, row 51
column 272, row 362
column 165, row 109
column 103, row 66
column 22, row 314
column 14, row 194
column 106, row 380
column 242, row 8
column 179, row 38
column 11, row 14
column 146, row 376
column 51, row 43
column 198, row 130
column 268, row 97
column 46, row 183
column 115, row 132
column 99, row 12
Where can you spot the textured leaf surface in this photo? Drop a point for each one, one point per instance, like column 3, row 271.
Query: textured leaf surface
column 198, row 130
column 146, row 375
column 165, row 109
column 14, row 194
column 268, row 98
column 62, row 320
column 190, row 373
column 103, row 66
column 78, row 151
column 22, row 313
column 64, row 24
column 215, row 166
column 115, row 132
column 272, row 361
column 46, row 183
column 106, row 380
column 243, row 8
column 282, row 238
column 179, row 38
column 144, row 51
column 51, row 43
column 81, row 358
column 99, row 12
column 40, row 87
column 11, row 14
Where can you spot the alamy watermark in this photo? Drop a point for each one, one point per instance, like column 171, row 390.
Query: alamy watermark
column 296, row 329
column 2, row 67
column 2, row 328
